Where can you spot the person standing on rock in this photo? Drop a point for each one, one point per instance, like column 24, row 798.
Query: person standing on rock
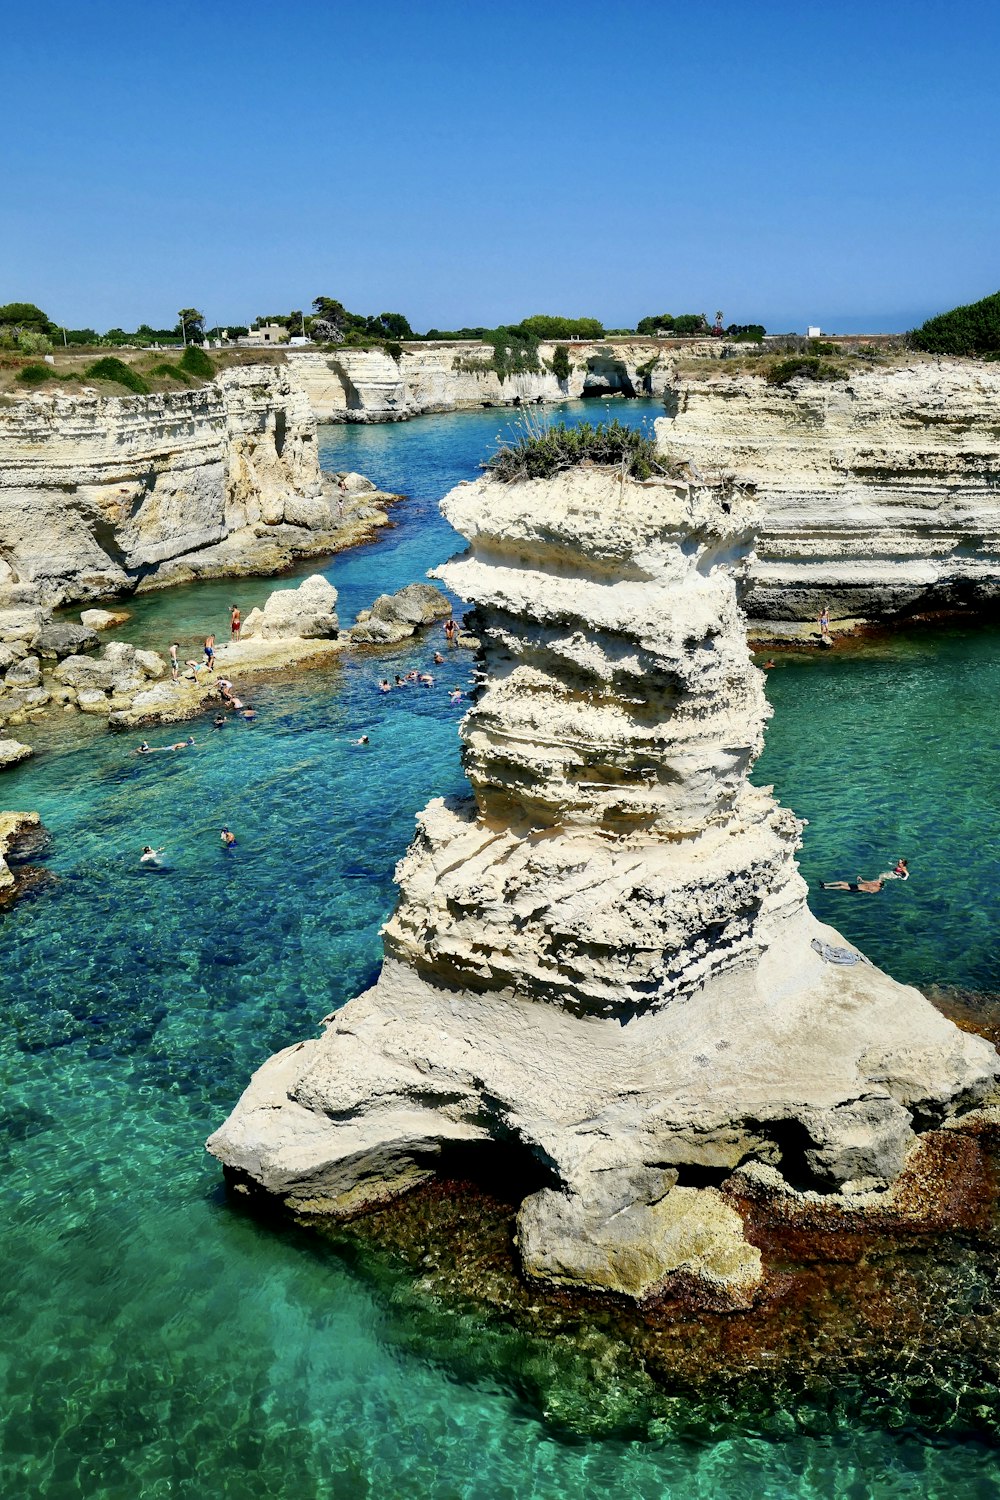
column 235, row 622
column 210, row 652
column 174, row 648
column 824, row 623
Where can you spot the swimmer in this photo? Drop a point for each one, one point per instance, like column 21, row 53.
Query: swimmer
column 385, row 686
column 449, row 630
column 144, row 749
column 400, row 681
column 455, row 696
column 426, row 680
column 901, row 871
column 249, row 712
column 221, row 722
column 362, row 741
column 227, row 839
column 412, row 676
column 871, row 886
column 769, row 664
column 151, row 857
column 181, row 744
column 438, row 659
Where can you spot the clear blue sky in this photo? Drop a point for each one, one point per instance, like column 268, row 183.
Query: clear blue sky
column 469, row 161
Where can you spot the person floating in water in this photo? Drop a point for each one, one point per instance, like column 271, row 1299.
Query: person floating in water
column 144, row 749
column 455, row 696
column 871, row 886
column 235, row 622
column 221, row 721
column 181, row 744
column 385, row 686
column 249, row 712
column 362, row 741
column 227, row 839
column 438, row 659
column 150, row 857
column 900, row 872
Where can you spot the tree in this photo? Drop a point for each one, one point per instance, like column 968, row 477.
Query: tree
column 545, row 326
column 652, row 326
column 390, row 325
column 560, row 364
column 971, row 329
column 192, row 325
column 26, row 316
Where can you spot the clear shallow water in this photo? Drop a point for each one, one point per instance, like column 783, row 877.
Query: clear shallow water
column 157, row 1343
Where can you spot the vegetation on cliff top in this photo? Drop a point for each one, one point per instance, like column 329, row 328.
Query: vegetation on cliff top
column 971, row 329
column 804, row 367
column 535, row 450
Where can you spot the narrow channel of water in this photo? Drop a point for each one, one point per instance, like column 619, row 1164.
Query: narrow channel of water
column 159, row 1344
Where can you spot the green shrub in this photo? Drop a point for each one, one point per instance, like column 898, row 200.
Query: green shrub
column 539, row 452
column 972, row 329
column 110, row 368
column 171, row 372
column 36, row 374
column 394, row 350
column 803, row 367
column 560, row 365
column 194, row 361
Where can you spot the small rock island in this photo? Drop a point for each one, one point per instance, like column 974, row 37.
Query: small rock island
column 603, row 960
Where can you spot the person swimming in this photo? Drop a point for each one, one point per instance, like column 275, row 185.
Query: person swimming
column 227, row 839
column 385, row 686
column 438, row 659
column 144, row 749
column 150, row 857
column 872, row 887
column 362, row 741
column 221, row 722
column 181, row 744
column 249, row 712
column 455, row 696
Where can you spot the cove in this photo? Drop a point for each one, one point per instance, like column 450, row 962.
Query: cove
column 159, row 1342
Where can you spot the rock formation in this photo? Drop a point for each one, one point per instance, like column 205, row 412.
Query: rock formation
column 369, row 385
column 20, row 833
column 395, row 617
column 105, row 495
column 603, row 959
column 304, row 613
column 878, row 494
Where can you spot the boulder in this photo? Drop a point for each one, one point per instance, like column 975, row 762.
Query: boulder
column 92, row 701
column 12, row 751
column 151, row 663
column 26, row 673
column 62, row 638
column 309, row 512
column 306, row 613
column 22, row 700
column 22, row 622
column 393, row 617
column 85, row 672
column 355, row 484
column 9, row 655
column 103, row 619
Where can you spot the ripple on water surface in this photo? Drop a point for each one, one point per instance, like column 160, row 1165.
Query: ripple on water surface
column 157, row 1343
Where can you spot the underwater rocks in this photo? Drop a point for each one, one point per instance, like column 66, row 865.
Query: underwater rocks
column 603, row 960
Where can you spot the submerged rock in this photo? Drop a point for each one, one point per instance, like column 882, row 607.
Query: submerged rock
column 12, row 752
column 604, row 959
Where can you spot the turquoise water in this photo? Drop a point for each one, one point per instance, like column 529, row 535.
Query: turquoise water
column 159, row 1343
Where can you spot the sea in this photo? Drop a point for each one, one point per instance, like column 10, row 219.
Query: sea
column 159, row 1340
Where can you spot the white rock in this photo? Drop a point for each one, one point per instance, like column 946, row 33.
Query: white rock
column 606, row 956
column 303, row 613
column 103, row 619
column 12, row 751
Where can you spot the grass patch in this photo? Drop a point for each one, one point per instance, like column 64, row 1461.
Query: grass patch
column 537, row 452
column 171, row 372
column 194, row 361
column 113, row 369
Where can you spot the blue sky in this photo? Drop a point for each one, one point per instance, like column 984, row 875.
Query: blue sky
column 478, row 162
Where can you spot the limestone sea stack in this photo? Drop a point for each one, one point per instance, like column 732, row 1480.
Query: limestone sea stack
column 603, row 959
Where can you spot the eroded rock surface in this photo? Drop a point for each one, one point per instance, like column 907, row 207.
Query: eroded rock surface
column 304, row 613
column 878, row 494
column 604, row 958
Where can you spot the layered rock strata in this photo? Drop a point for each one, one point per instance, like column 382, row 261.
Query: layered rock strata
column 878, row 495
column 603, row 960
column 370, row 385
column 105, row 495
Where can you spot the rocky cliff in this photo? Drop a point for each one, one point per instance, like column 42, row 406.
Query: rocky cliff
column 369, row 385
column 102, row 495
column 603, row 961
column 878, row 494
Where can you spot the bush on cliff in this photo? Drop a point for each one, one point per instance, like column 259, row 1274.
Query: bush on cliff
column 196, row 362
column 803, row 367
column 972, row 329
column 36, row 374
column 538, row 451
column 171, row 372
column 560, row 363
column 110, row 368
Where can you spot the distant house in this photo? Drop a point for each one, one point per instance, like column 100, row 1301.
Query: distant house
column 268, row 333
